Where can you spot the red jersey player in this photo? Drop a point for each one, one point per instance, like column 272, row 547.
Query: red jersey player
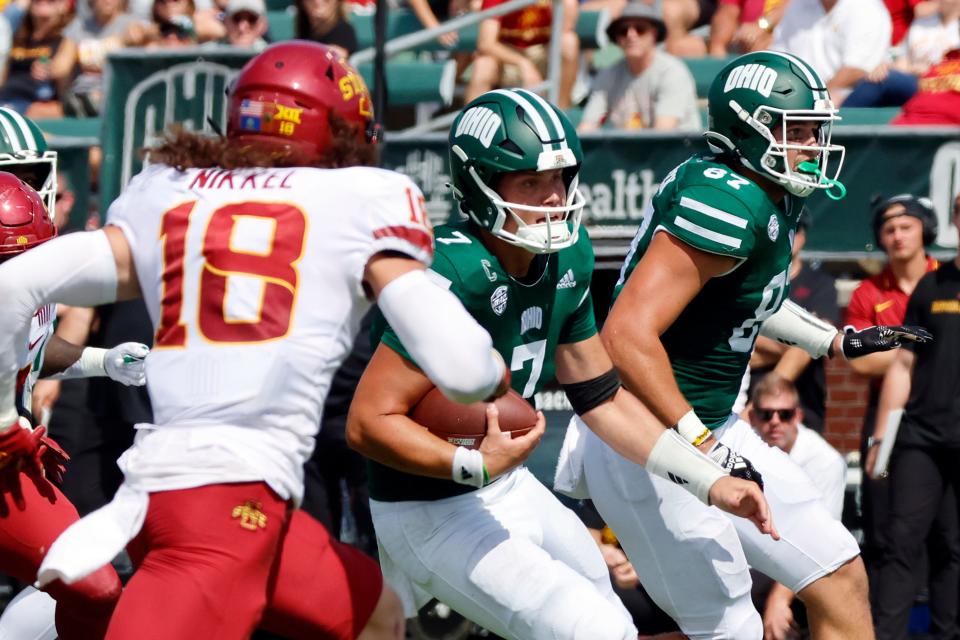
column 33, row 511
column 256, row 254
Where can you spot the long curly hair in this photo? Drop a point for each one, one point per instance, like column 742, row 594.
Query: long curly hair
column 184, row 149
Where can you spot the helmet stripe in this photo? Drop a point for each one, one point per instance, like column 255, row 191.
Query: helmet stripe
column 535, row 118
column 9, row 131
column 21, row 123
column 816, row 84
column 546, row 106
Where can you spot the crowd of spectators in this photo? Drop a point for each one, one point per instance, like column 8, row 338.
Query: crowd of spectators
column 872, row 53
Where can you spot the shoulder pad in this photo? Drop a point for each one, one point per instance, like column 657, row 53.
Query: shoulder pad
column 713, row 218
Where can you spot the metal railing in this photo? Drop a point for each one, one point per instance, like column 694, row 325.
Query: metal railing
column 412, row 40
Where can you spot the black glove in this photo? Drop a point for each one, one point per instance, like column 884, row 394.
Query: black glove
column 875, row 339
column 735, row 464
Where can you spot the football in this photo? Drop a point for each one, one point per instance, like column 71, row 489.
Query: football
column 465, row 425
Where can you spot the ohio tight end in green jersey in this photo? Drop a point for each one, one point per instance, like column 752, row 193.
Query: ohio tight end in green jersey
column 720, row 231
column 709, row 206
column 526, row 319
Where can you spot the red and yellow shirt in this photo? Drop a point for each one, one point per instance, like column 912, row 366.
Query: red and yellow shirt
column 937, row 100
column 880, row 300
column 527, row 27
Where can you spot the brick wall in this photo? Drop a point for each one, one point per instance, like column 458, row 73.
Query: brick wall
column 847, row 394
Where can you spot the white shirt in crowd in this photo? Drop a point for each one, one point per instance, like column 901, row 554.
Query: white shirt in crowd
column 855, row 33
column 825, row 466
column 929, row 38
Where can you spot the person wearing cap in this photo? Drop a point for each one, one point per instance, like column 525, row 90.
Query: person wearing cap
column 246, row 23
column 647, row 89
column 902, row 226
column 924, row 467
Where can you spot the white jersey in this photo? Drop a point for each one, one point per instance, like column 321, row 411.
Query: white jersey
column 253, row 281
column 41, row 328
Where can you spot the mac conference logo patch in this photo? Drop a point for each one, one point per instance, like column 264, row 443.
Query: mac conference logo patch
column 498, row 299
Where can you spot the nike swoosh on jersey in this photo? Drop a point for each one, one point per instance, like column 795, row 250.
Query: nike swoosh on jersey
column 36, row 342
column 883, row 306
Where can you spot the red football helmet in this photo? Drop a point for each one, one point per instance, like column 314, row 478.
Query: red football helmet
column 284, row 94
column 24, row 222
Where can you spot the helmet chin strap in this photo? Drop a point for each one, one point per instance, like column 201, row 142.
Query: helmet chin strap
column 814, row 168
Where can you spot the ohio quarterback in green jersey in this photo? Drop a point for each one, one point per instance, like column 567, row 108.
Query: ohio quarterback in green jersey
column 505, row 553
column 707, row 272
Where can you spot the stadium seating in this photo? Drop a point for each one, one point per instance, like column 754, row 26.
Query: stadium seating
column 704, row 70
column 281, row 24
column 401, row 22
column 412, row 82
column 71, row 128
column 591, row 27
column 867, row 116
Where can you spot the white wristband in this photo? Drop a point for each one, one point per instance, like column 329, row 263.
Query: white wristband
column 679, row 461
column 692, row 430
column 88, row 365
column 468, row 468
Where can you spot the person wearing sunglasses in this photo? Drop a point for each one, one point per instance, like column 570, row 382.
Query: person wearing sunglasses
column 647, row 89
column 777, row 417
column 246, row 23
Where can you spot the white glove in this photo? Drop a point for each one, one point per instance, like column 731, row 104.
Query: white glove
column 125, row 363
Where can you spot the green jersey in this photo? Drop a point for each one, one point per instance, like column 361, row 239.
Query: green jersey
column 707, row 205
column 526, row 319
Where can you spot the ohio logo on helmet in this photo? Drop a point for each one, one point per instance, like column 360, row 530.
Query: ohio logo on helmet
column 758, row 77
column 481, row 123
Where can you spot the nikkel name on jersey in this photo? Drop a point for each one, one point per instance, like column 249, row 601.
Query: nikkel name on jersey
column 255, row 291
column 709, row 206
column 527, row 321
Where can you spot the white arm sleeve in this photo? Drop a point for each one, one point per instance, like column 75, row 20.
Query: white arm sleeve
column 76, row 269
column 675, row 459
column 444, row 340
column 794, row 325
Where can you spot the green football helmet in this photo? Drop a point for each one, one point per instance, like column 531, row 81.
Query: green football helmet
column 24, row 153
column 761, row 92
column 509, row 130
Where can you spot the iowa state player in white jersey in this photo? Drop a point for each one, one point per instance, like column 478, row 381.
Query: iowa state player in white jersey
column 256, row 266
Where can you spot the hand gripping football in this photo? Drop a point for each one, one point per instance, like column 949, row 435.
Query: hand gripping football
column 465, row 425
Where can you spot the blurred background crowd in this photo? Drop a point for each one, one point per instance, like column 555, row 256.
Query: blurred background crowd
column 646, row 70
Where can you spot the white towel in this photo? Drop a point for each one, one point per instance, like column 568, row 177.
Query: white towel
column 95, row 539
column 568, row 478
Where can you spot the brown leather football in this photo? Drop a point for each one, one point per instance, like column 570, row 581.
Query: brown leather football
column 465, row 425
